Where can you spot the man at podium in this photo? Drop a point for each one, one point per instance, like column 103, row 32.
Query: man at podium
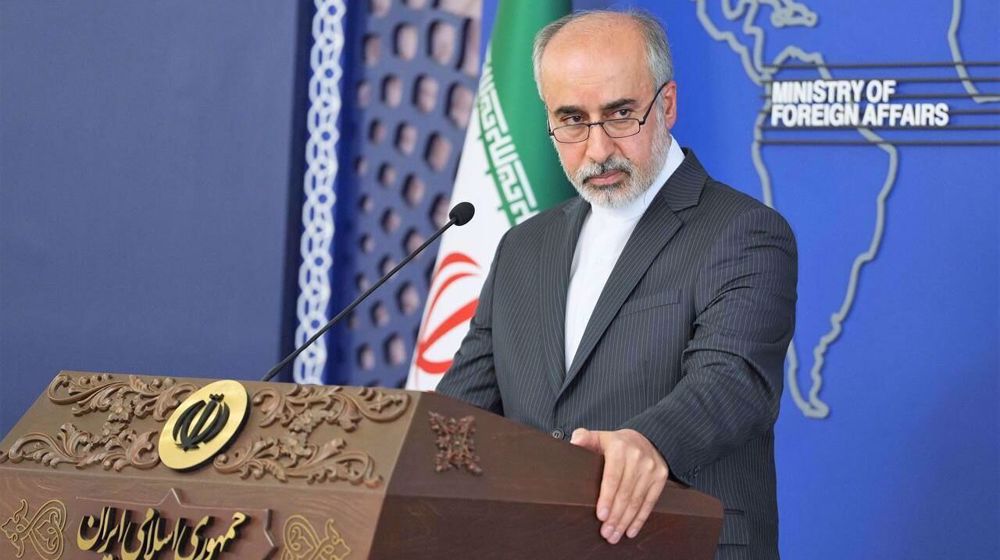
column 648, row 318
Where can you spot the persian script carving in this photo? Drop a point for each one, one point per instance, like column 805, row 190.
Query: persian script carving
column 455, row 443
column 305, row 407
column 302, row 542
column 43, row 530
column 113, row 529
column 169, row 529
column 117, row 446
column 286, row 457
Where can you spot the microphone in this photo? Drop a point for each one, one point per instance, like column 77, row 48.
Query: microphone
column 460, row 215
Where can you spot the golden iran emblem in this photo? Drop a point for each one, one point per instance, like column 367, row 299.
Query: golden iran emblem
column 204, row 424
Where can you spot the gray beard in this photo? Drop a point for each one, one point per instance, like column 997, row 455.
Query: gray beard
column 637, row 179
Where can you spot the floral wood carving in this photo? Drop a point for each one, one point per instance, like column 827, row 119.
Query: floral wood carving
column 455, row 443
column 117, row 446
column 286, row 457
column 82, row 449
column 305, row 407
column 122, row 399
column 301, row 410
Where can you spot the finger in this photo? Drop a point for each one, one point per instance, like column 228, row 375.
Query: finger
column 637, row 499
column 647, row 506
column 586, row 438
column 614, row 468
column 616, row 524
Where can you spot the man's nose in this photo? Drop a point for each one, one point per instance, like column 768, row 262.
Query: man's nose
column 599, row 145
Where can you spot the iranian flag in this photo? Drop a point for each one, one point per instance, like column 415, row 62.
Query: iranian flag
column 508, row 170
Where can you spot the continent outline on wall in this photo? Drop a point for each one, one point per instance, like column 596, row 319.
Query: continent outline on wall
column 787, row 13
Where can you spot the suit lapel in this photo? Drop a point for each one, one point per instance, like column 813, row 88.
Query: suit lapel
column 656, row 227
column 554, row 264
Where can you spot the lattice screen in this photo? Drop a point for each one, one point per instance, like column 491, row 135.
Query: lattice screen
column 409, row 89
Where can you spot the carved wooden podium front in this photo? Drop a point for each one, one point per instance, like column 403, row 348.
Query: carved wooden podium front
column 129, row 467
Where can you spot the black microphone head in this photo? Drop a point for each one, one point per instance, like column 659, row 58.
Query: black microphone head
column 462, row 213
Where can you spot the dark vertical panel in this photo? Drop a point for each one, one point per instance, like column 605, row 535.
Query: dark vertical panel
column 144, row 172
column 296, row 175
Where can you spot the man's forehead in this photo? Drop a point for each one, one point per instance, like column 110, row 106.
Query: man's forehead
column 594, row 65
column 600, row 95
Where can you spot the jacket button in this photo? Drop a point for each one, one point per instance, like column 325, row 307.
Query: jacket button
column 557, row 433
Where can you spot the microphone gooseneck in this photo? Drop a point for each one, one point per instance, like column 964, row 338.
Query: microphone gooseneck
column 459, row 215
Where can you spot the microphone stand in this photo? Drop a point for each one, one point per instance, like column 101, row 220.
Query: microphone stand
column 459, row 215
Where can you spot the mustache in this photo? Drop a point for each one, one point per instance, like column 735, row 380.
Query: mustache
column 613, row 163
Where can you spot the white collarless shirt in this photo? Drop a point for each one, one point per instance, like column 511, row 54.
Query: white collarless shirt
column 602, row 239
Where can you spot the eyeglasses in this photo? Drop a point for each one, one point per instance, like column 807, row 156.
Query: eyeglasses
column 614, row 128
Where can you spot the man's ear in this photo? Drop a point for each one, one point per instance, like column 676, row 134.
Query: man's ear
column 669, row 95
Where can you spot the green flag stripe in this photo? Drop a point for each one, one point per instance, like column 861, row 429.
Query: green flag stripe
column 523, row 164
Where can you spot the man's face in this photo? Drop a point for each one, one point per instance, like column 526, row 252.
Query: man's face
column 593, row 71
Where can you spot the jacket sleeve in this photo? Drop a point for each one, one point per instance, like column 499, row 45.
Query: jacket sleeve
column 733, row 366
column 472, row 376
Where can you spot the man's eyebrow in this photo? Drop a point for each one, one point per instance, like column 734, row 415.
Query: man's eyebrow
column 568, row 110
column 617, row 104
column 606, row 108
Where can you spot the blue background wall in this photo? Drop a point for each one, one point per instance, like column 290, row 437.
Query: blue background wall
column 151, row 160
column 906, row 463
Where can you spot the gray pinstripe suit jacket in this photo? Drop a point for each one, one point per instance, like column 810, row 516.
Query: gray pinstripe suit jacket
column 686, row 343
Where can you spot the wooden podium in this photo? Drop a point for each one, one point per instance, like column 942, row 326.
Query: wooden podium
column 296, row 472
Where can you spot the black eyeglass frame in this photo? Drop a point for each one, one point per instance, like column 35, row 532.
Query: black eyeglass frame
column 642, row 121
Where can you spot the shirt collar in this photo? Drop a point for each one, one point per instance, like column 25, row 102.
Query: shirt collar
column 636, row 208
